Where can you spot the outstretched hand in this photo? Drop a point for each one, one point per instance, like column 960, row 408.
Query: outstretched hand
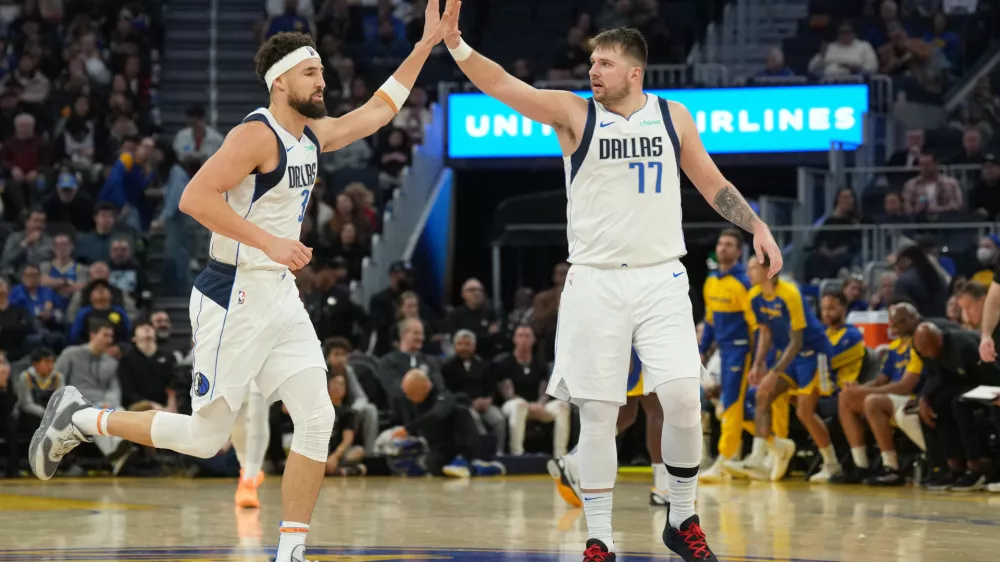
column 764, row 244
column 452, row 35
column 432, row 23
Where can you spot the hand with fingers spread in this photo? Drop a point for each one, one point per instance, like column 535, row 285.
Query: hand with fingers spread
column 289, row 253
column 449, row 22
column 433, row 29
column 764, row 244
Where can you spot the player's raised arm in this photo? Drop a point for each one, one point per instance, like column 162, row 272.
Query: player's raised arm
column 247, row 147
column 379, row 111
column 548, row 107
column 717, row 190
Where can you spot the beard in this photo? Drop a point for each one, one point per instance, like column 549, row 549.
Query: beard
column 307, row 107
column 611, row 96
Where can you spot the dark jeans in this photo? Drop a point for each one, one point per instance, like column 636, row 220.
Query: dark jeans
column 946, row 441
column 8, row 429
column 458, row 435
column 972, row 429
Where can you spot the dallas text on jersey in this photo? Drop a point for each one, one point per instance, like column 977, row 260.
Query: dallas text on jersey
column 635, row 147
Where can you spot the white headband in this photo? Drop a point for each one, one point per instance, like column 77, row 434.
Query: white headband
column 287, row 62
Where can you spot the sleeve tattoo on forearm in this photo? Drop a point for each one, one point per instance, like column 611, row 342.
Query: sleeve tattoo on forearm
column 730, row 204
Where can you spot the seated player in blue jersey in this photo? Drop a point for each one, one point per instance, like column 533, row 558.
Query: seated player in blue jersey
column 847, row 345
column 786, row 322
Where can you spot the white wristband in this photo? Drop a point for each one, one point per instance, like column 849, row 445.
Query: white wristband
column 393, row 93
column 462, row 52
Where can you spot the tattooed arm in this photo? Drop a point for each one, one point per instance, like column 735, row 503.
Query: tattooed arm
column 717, row 190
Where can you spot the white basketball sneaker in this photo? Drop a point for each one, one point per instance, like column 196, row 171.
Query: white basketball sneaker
column 783, row 452
column 826, row 473
column 563, row 472
column 56, row 436
column 298, row 555
column 715, row 473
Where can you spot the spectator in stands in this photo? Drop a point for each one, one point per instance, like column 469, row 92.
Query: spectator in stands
column 523, row 310
column 356, row 155
column 347, row 211
column 943, row 39
column 878, row 33
column 475, row 315
column 364, row 200
column 24, row 158
column 573, row 57
column 75, row 146
column 39, row 300
column 31, row 245
column 616, row 13
column 468, row 377
column 289, row 20
column 972, row 148
column 892, row 210
column 426, row 409
column 910, row 156
column 126, row 184
column 919, row 282
column 415, row 115
column 345, row 454
column 912, row 57
column 523, row 71
column 337, row 351
column 775, row 67
column 347, row 246
column 546, row 311
column 987, row 257
column 847, row 55
column 35, row 387
column 371, row 26
column 984, row 106
column 394, row 365
column 834, row 250
column 63, row 274
column 180, row 229
column 33, row 85
column 93, row 60
column 329, row 303
column 972, row 299
column 95, row 246
column 67, row 205
column 393, row 156
column 9, row 418
column 387, row 48
column 854, row 292
column 883, row 295
column 984, row 197
column 522, row 379
column 931, row 192
column 409, row 308
column 16, row 325
column 953, row 311
column 382, row 305
column 101, row 309
column 197, row 140
column 126, row 273
column 146, row 373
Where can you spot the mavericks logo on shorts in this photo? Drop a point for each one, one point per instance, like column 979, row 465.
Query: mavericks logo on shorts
column 200, row 384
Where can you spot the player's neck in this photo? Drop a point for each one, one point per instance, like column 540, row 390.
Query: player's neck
column 726, row 267
column 522, row 355
column 289, row 119
column 629, row 105
column 835, row 327
column 767, row 288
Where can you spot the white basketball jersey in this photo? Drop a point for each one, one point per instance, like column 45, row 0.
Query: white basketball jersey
column 623, row 189
column 275, row 201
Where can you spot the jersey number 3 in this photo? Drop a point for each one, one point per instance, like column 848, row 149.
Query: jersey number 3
column 305, row 203
column 658, row 166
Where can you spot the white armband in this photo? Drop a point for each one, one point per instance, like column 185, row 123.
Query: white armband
column 393, row 93
column 462, row 52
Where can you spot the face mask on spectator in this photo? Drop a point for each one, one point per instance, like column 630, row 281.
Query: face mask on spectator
column 985, row 255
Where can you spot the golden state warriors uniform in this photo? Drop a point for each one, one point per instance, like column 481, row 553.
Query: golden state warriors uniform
column 626, row 286
column 247, row 320
column 899, row 362
column 634, row 387
column 847, row 348
column 729, row 324
column 784, row 313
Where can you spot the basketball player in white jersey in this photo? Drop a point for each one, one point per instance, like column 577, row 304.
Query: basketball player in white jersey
column 624, row 151
column 246, row 316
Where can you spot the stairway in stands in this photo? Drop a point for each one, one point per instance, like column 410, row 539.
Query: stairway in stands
column 750, row 29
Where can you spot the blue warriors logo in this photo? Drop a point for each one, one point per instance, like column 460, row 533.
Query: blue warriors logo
column 200, row 384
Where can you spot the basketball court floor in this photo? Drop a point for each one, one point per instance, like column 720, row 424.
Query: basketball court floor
column 512, row 519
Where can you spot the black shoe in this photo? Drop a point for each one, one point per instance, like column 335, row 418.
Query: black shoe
column 969, row 482
column 886, row 477
column 597, row 551
column 852, row 475
column 688, row 542
column 945, row 481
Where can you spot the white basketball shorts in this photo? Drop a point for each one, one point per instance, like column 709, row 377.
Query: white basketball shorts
column 603, row 313
column 249, row 326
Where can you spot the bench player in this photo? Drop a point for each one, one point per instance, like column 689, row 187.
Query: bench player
column 623, row 153
column 246, row 316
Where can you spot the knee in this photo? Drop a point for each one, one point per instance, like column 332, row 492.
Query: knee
column 597, row 419
column 311, row 437
column 514, row 406
column 680, row 400
column 805, row 412
column 873, row 406
column 207, row 446
column 557, row 408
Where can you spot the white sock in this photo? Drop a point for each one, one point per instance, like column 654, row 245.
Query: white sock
column 597, row 509
column 92, row 421
column 758, row 451
column 257, row 435
column 829, row 455
column 683, row 491
column 860, row 456
column 661, row 478
column 890, row 459
column 290, row 535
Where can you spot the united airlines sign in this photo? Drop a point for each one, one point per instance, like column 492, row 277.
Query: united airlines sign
column 731, row 121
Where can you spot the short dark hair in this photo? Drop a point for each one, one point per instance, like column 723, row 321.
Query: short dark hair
column 41, row 353
column 95, row 325
column 974, row 289
column 836, row 295
column 196, row 111
column 336, row 343
column 105, row 207
column 733, row 233
column 142, row 322
column 279, row 45
column 628, row 39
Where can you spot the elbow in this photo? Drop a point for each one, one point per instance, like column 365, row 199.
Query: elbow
column 186, row 205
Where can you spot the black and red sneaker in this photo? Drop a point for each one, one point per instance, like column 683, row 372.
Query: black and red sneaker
column 688, row 542
column 597, row 551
